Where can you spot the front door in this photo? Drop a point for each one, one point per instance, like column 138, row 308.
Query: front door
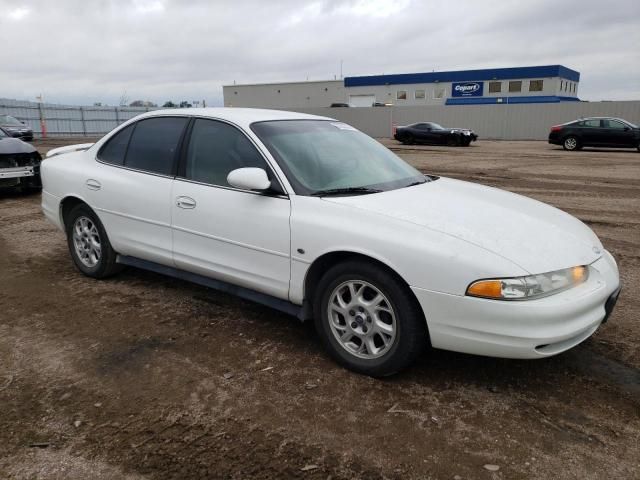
column 222, row 232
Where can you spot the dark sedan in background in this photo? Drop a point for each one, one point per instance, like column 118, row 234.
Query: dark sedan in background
column 596, row 132
column 434, row 134
column 15, row 128
column 19, row 164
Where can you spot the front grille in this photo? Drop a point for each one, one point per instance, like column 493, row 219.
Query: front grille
column 19, row 160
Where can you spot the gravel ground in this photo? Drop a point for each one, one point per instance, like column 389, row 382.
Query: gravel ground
column 146, row 377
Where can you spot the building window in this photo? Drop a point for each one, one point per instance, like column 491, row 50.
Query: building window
column 535, row 85
column 515, row 86
column 561, row 84
column 438, row 93
column 495, row 87
column 401, row 95
column 419, row 94
column 566, row 85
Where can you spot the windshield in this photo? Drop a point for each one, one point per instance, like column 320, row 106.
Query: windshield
column 323, row 155
column 9, row 120
column 2, row 134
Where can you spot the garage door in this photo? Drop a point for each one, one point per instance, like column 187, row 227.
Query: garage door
column 361, row 100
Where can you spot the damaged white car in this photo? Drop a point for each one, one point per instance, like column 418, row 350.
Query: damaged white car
column 310, row 216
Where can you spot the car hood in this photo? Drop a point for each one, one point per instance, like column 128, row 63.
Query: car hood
column 15, row 145
column 535, row 236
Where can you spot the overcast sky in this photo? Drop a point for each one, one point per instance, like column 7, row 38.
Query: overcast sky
column 86, row 51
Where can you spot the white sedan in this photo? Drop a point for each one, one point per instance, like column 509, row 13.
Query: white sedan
column 310, row 216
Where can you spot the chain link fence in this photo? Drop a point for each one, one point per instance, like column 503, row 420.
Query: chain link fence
column 68, row 120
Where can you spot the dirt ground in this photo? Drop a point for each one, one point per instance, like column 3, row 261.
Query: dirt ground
column 145, row 377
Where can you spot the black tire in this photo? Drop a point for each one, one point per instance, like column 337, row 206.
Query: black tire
column 571, row 143
column 453, row 141
column 411, row 336
column 106, row 264
column 408, row 139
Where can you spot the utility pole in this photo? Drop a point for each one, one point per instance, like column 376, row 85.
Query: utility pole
column 43, row 123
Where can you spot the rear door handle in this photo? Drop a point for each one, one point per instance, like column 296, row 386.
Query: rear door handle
column 185, row 202
column 93, row 184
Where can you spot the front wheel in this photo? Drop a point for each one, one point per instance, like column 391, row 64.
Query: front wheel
column 368, row 319
column 88, row 243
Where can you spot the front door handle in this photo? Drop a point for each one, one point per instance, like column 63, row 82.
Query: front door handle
column 93, row 184
column 185, row 202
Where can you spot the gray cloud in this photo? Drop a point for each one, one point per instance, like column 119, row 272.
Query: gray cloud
column 76, row 51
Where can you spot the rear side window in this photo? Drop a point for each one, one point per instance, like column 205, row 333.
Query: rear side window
column 116, row 148
column 154, row 144
column 591, row 123
column 215, row 149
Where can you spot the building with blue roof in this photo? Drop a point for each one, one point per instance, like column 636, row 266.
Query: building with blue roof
column 537, row 84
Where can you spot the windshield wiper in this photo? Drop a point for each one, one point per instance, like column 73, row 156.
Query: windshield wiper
column 345, row 191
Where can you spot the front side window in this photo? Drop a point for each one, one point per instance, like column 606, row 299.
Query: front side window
column 115, row 149
column 215, row 149
column 515, row 86
column 401, row 94
column 613, row 124
column 495, row 87
column 535, row 85
column 154, row 144
column 321, row 155
column 2, row 134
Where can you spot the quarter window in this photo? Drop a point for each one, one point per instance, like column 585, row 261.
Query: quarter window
column 154, row 144
column 116, row 147
column 401, row 95
column 495, row 87
column 515, row 86
column 535, row 85
column 215, row 149
column 419, row 94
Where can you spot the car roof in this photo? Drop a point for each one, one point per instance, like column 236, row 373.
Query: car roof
column 240, row 116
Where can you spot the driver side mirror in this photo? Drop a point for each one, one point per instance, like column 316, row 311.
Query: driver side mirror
column 249, row 178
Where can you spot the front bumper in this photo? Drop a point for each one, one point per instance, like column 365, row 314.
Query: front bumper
column 522, row 329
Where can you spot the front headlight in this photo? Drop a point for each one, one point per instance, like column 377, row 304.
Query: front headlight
column 529, row 287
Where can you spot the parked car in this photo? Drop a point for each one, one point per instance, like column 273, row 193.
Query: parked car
column 596, row 132
column 434, row 134
column 19, row 163
column 339, row 105
column 15, row 128
column 312, row 217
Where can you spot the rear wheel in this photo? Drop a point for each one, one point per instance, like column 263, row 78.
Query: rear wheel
column 88, row 243
column 571, row 143
column 368, row 319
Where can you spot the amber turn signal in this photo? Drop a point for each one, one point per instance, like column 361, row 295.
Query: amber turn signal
column 486, row 288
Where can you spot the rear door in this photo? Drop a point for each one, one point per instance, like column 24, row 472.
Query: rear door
column 238, row 236
column 131, row 187
column 590, row 132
